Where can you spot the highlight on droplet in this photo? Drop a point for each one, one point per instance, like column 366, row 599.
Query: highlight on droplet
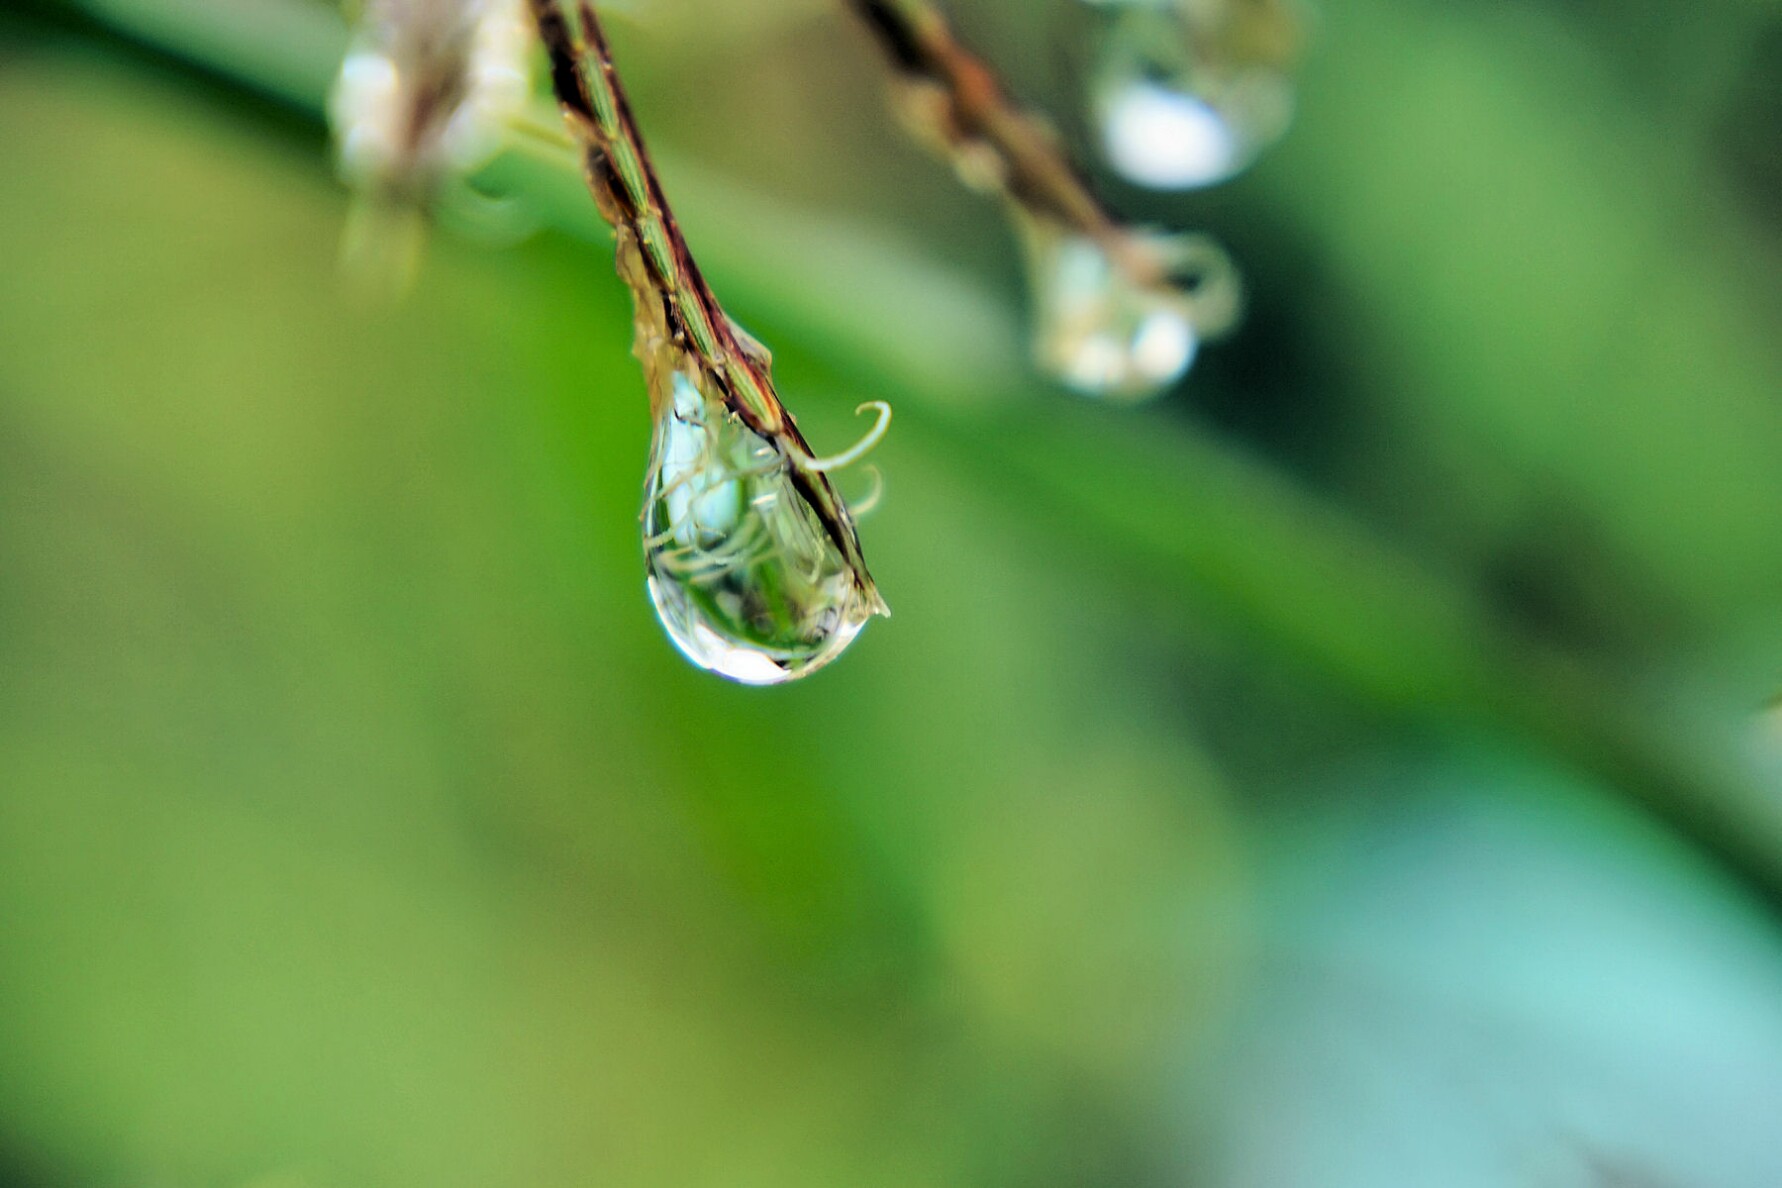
column 1188, row 93
column 1166, row 139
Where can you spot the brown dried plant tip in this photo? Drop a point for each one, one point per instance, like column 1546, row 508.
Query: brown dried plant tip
column 426, row 93
column 1120, row 312
column 754, row 562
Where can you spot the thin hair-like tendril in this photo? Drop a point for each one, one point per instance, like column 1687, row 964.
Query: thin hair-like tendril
column 863, row 447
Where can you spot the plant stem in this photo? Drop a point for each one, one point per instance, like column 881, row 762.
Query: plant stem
column 681, row 328
column 955, row 100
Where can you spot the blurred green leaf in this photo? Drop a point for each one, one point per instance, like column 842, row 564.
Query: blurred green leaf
column 358, row 827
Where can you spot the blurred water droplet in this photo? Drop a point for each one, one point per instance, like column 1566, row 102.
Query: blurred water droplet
column 1127, row 328
column 746, row 579
column 1188, row 93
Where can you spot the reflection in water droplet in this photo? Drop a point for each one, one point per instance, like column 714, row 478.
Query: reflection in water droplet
column 745, row 578
column 1125, row 330
column 1189, row 93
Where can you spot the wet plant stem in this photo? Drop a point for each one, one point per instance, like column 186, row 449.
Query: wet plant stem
column 681, row 328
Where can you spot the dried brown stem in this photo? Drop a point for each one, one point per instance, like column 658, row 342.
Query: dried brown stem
column 955, row 100
column 681, row 328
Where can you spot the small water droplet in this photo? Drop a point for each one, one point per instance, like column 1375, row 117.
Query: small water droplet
column 745, row 578
column 1188, row 93
column 1125, row 329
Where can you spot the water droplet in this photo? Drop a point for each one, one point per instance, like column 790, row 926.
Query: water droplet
column 1125, row 328
column 1188, row 93
column 746, row 578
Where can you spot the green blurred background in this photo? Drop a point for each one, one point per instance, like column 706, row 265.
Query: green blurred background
column 1353, row 772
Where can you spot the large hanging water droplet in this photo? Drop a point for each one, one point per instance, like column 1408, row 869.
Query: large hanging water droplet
column 1126, row 326
column 1189, row 93
column 747, row 580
